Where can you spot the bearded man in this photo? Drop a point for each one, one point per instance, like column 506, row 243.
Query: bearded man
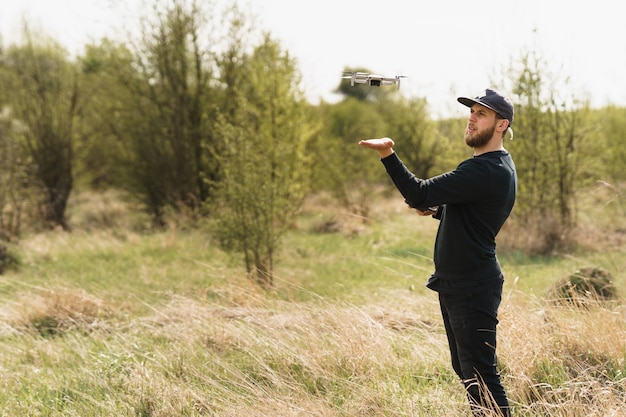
column 472, row 202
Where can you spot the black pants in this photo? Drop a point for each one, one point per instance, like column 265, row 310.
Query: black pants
column 470, row 319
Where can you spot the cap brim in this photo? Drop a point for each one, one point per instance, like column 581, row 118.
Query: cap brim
column 466, row 101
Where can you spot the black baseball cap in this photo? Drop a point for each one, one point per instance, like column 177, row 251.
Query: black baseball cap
column 493, row 100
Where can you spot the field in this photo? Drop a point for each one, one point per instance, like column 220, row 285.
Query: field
column 114, row 320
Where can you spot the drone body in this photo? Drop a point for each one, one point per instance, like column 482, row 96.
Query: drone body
column 374, row 80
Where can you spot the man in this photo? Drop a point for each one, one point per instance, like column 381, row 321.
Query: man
column 472, row 203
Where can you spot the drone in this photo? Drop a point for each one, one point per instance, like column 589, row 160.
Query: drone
column 372, row 79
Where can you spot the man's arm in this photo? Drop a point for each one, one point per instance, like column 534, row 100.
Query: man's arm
column 384, row 147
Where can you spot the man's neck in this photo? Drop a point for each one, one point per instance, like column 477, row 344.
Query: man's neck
column 492, row 146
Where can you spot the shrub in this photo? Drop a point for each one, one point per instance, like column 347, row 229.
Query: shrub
column 584, row 285
column 7, row 258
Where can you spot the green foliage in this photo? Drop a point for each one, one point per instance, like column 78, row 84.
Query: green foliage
column 369, row 112
column 417, row 140
column 451, row 146
column 46, row 100
column 100, row 154
column 161, row 115
column 553, row 150
column 265, row 164
column 109, row 320
column 162, row 323
column 612, row 123
column 166, row 121
column 16, row 195
column 352, row 174
column 341, row 166
column 8, row 258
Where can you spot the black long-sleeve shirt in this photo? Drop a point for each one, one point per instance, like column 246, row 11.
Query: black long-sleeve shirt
column 474, row 201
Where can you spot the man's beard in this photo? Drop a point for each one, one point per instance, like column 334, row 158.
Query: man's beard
column 481, row 138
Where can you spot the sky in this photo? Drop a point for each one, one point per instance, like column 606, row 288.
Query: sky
column 446, row 48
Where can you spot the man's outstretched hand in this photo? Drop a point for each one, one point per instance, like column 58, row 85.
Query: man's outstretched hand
column 384, row 146
column 381, row 143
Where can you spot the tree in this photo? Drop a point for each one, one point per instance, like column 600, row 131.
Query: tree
column 265, row 165
column 417, row 137
column 15, row 194
column 99, row 154
column 553, row 151
column 166, row 111
column 46, row 100
column 351, row 174
column 451, row 148
column 613, row 125
column 341, row 166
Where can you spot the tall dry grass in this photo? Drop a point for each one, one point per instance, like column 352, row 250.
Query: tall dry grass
column 564, row 359
column 263, row 357
column 116, row 322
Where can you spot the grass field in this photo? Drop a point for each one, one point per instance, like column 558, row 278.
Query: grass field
column 110, row 320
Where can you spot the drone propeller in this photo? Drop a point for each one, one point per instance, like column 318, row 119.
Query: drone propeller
column 398, row 78
column 355, row 74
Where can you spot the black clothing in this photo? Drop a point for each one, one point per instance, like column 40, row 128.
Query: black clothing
column 474, row 200
column 470, row 320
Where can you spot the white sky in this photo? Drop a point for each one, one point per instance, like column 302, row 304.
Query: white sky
column 446, row 47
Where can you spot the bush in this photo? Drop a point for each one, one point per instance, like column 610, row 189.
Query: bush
column 7, row 259
column 584, row 285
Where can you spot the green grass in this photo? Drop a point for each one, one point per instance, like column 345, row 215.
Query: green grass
column 112, row 321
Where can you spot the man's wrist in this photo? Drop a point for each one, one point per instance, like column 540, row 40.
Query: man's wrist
column 384, row 153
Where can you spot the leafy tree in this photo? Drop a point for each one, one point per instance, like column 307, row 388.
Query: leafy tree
column 265, row 165
column 342, row 167
column 613, row 125
column 46, row 100
column 15, row 194
column 416, row 135
column 351, row 174
column 167, row 109
column 552, row 150
column 99, row 154
column 451, row 148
